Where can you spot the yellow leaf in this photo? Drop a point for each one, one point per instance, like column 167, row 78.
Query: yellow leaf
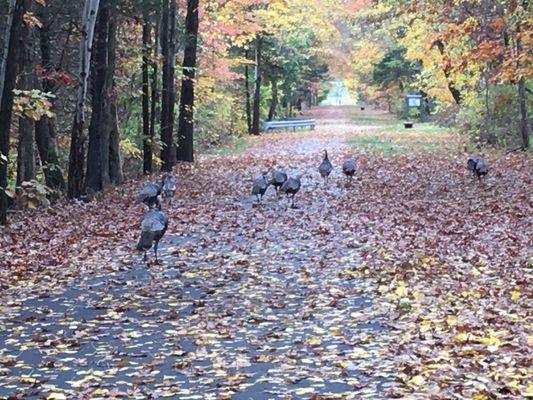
column 418, row 380
column 451, row 320
column 490, row 341
column 529, row 392
column 335, row 331
column 463, row 337
column 515, row 295
column 56, row 396
column 426, row 326
column 401, row 291
column 314, row 341
column 514, row 384
column 301, row 391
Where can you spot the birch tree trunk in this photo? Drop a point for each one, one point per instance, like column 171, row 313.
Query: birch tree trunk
column 77, row 141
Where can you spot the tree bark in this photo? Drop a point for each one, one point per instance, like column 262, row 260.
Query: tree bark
column 44, row 128
column 8, row 74
column 186, row 118
column 77, row 142
column 147, row 143
column 116, row 175
column 525, row 128
column 26, row 139
column 247, row 93
column 274, row 101
column 97, row 175
column 257, row 89
column 168, row 33
column 153, row 85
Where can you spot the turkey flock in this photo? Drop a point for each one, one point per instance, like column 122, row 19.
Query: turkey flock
column 155, row 222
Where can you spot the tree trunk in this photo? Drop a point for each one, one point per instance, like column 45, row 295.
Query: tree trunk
column 274, row 101
column 153, row 85
column 168, row 33
column 26, row 139
column 97, row 175
column 525, row 128
column 147, row 143
column 257, row 89
column 247, row 92
column 77, row 142
column 8, row 75
column 116, row 175
column 456, row 94
column 186, row 118
column 44, row 128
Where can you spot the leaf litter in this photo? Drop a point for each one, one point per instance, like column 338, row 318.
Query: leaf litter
column 412, row 282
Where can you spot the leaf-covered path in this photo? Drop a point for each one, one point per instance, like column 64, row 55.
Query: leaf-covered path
column 410, row 282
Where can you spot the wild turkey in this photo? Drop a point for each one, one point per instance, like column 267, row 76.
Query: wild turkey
column 325, row 167
column 169, row 186
column 153, row 227
column 482, row 169
column 291, row 187
column 260, row 186
column 478, row 167
column 150, row 194
column 471, row 164
column 278, row 179
column 348, row 168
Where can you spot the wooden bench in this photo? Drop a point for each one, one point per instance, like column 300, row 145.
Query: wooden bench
column 290, row 123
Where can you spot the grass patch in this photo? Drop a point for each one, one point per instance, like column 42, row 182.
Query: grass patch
column 374, row 119
column 234, row 146
column 394, row 139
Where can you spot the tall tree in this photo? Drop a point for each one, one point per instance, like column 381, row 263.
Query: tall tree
column 154, row 95
column 77, row 141
column 8, row 75
column 168, row 39
column 274, row 100
column 257, row 88
column 525, row 127
column 97, row 175
column 186, row 117
column 45, row 133
column 447, row 70
column 146, row 43
column 116, row 175
column 26, row 81
column 247, row 93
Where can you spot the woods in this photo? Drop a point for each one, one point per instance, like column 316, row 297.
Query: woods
column 152, row 82
column 265, row 199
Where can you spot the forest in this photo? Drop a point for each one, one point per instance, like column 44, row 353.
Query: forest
column 238, row 199
column 96, row 92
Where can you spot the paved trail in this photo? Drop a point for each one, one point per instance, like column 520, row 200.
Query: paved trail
column 249, row 302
